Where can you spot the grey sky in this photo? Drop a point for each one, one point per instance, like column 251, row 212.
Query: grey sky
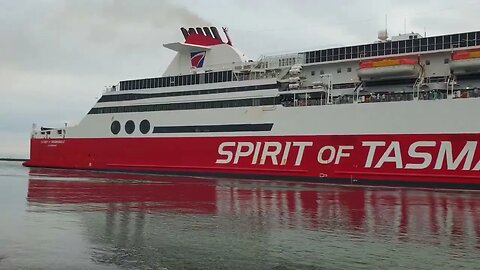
column 56, row 56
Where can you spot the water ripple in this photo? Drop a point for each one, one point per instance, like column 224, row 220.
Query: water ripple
column 125, row 221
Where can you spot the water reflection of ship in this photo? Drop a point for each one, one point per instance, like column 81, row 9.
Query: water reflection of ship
column 377, row 211
column 182, row 223
column 127, row 192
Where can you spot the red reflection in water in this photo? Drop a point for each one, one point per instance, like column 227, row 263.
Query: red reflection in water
column 382, row 211
column 129, row 191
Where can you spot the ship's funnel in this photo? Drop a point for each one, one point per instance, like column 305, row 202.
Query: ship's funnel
column 204, row 36
column 216, row 34
column 229, row 41
column 200, row 31
column 207, row 32
column 184, row 32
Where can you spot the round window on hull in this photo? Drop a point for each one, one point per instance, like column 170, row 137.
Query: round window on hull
column 145, row 126
column 115, row 127
column 130, row 127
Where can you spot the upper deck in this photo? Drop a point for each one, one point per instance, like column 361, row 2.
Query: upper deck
column 212, row 68
column 391, row 48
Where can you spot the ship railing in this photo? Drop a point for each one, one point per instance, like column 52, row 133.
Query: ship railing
column 112, row 88
column 344, row 99
column 249, row 66
column 383, row 97
column 280, row 61
column 303, row 102
column 219, row 67
column 240, row 76
column 372, row 98
column 432, row 95
column 48, row 133
column 466, row 93
column 423, row 95
column 386, row 97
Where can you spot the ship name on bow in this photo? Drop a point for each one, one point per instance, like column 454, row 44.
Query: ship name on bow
column 370, row 154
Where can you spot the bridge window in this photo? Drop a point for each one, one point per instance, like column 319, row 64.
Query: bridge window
column 455, row 40
column 401, row 46
column 395, row 47
column 341, row 54
column 431, row 43
column 355, row 52
column 317, row 56
column 348, row 53
column 323, row 55
column 374, row 48
column 439, row 43
column 463, row 40
column 381, row 49
column 409, row 45
column 471, row 39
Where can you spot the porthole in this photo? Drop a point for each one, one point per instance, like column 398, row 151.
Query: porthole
column 145, row 126
column 130, row 127
column 115, row 127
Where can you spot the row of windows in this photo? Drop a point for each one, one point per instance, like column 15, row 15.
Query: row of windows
column 286, row 62
column 339, row 70
column 188, row 106
column 122, row 97
column 190, row 79
column 115, row 127
column 395, row 47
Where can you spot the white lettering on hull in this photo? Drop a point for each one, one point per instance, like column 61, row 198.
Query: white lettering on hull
column 393, row 148
column 228, row 154
column 427, row 157
column 242, row 152
column 436, row 155
column 271, row 149
column 327, row 150
column 301, row 149
column 445, row 154
column 341, row 152
column 269, row 152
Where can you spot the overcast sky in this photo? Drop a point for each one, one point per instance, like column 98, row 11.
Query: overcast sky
column 56, row 56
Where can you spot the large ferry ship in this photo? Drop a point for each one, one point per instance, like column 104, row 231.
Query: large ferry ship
column 401, row 110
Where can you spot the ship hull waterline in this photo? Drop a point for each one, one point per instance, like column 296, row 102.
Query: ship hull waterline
column 419, row 159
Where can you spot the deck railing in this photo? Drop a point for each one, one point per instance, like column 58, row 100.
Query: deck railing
column 384, row 97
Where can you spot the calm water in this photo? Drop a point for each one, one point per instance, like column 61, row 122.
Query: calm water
column 52, row 219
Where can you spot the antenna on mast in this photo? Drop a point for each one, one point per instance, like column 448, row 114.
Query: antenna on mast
column 386, row 23
column 383, row 34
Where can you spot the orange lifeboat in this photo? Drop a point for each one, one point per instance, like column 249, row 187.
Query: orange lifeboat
column 465, row 62
column 389, row 68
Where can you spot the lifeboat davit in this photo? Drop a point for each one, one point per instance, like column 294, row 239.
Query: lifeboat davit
column 465, row 62
column 389, row 68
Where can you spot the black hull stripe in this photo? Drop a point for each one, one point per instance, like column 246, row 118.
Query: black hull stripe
column 214, row 128
column 135, row 96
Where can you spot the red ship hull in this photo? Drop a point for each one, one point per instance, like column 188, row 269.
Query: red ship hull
column 390, row 158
